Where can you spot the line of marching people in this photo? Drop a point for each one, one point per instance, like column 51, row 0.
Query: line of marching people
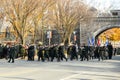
column 48, row 53
column 7, row 52
column 57, row 52
column 91, row 52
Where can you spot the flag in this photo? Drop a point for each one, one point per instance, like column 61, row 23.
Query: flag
column 49, row 34
column 106, row 43
column 92, row 41
column 98, row 42
column 89, row 42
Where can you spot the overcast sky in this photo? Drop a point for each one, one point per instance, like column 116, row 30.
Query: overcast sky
column 104, row 5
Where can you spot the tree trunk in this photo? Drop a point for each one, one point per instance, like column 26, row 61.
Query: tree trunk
column 69, row 40
column 22, row 40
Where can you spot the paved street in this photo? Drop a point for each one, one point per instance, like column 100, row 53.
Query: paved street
column 71, row 70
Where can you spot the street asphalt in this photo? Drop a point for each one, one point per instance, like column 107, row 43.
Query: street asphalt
column 71, row 70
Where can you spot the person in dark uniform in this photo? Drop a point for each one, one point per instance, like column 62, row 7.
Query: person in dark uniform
column 11, row 53
column 84, row 54
column 74, row 53
column 101, row 53
column 31, row 53
column 46, row 52
column 110, row 50
column 115, row 50
column 91, row 52
column 61, row 54
column 51, row 53
column 5, row 51
column 41, row 54
column 96, row 52
column 1, row 51
column 54, row 53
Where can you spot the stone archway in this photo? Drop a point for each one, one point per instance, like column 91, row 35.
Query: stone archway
column 104, row 28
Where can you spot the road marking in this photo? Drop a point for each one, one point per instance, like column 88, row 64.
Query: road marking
column 69, row 77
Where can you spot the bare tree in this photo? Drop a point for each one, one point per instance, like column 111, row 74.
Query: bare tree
column 66, row 16
column 30, row 16
column 1, row 15
column 18, row 13
column 40, row 17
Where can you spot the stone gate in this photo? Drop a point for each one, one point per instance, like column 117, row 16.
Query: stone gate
column 99, row 25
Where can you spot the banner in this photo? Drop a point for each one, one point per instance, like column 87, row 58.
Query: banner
column 93, row 41
column 89, row 41
column 98, row 42
column 106, row 43
column 49, row 34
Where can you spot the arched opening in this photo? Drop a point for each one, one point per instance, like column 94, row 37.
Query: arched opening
column 106, row 35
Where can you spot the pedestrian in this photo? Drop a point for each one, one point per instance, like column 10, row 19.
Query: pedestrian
column 31, row 53
column 55, row 52
column 11, row 53
column 101, row 53
column 115, row 50
column 46, row 53
column 41, row 53
column 5, row 51
column 61, row 54
column 74, row 53
column 1, row 51
column 110, row 50
column 84, row 54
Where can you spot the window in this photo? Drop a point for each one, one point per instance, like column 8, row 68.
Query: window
column 114, row 13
